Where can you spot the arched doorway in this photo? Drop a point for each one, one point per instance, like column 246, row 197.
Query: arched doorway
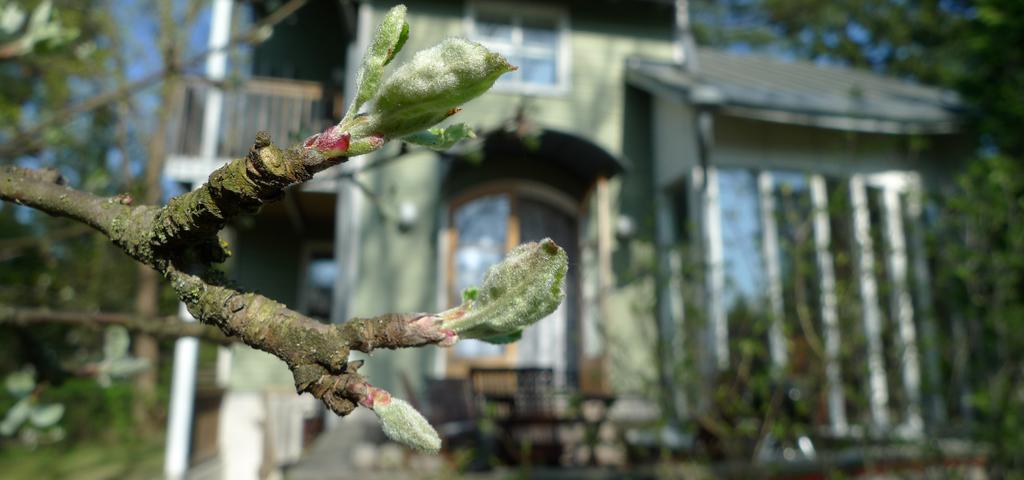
column 484, row 223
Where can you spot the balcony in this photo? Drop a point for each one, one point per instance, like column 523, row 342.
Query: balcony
column 289, row 109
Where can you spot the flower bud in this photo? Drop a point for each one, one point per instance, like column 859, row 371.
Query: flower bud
column 405, row 425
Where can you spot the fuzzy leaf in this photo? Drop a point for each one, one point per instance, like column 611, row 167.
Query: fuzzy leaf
column 45, row 416
column 405, row 425
column 526, row 286
column 20, row 383
column 389, row 39
column 16, row 416
column 438, row 138
column 429, row 87
column 503, row 339
column 115, row 343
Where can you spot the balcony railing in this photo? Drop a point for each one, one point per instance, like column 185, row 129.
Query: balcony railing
column 288, row 109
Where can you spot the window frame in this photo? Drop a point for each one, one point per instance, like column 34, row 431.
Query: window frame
column 518, row 12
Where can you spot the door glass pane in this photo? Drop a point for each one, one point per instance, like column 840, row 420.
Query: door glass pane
column 482, row 227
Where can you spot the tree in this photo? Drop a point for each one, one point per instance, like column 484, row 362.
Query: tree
column 179, row 240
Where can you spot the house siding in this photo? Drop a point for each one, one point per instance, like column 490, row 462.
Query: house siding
column 399, row 269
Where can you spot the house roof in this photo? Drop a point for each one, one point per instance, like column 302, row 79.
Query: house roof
column 802, row 93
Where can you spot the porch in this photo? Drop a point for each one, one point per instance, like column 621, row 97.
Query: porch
column 290, row 110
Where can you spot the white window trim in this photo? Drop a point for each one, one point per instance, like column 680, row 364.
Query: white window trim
column 518, row 11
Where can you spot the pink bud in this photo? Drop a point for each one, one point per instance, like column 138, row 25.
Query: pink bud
column 332, row 141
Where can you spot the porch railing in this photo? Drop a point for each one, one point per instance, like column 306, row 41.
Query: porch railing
column 289, row 109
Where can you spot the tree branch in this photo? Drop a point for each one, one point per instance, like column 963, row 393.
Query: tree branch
column 45, row 190
column 166, row 327
column 316, row 353
column 240, row 187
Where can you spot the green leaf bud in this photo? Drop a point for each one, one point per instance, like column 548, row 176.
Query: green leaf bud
column 433, row 84
column 405, row 425
column 526, row 286
column 387, row 41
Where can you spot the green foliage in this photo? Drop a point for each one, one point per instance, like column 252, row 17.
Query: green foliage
column 981, row 246
column 22, row 31
column 36, row 420
column 994, row 79
column 526, row 286
column 921, row 40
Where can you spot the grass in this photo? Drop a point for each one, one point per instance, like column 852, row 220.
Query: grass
column 139, row 460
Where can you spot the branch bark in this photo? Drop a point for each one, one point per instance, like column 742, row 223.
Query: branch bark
column 164, row 327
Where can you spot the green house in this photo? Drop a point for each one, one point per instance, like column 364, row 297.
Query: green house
column 720, row 211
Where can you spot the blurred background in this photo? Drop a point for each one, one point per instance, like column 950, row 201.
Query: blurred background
column 795, row 235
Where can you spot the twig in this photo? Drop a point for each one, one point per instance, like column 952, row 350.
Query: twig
column 167, row 327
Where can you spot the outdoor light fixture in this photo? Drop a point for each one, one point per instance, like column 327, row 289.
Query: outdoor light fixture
column 408, row 213
column 625, row 227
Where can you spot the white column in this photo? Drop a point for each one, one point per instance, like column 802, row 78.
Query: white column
column 902, row 309
column 864, row 263
column 216, row 67
column 829, row 317
column 770, row 254
column 179, row 419
column 713, row 257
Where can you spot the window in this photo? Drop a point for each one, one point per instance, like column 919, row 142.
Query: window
column 813, row 276
column 530, row 37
